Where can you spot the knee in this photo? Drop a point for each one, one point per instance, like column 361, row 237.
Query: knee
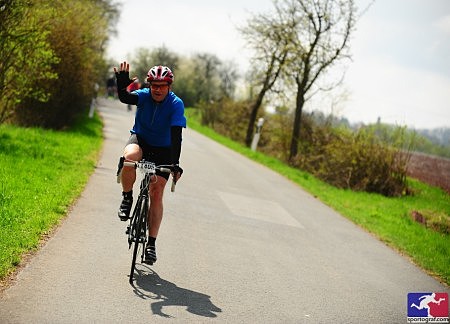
column 132, row 152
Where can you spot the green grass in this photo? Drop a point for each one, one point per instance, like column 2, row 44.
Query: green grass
column 386, row 218
column 42, row 172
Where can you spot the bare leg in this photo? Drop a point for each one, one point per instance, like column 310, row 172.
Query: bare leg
column 155, row 212
column 132, row 152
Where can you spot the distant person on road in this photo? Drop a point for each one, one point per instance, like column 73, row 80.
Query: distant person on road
column 155, row 136
column 135, row 85
column 111, row 87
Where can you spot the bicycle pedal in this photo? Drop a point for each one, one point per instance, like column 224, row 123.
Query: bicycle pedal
column 128, row 230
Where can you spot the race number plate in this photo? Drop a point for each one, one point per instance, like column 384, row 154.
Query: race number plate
column 147, row 167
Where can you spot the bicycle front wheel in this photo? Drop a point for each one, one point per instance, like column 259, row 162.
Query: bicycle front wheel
column 139, row 233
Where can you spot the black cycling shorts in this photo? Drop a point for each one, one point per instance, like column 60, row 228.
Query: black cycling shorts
column 155, row 154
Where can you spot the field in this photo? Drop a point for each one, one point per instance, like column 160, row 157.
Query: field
column 430, row 169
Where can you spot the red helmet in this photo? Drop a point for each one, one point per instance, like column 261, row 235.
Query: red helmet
column 160, row 73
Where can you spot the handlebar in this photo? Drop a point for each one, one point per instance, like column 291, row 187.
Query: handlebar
column 147, row 167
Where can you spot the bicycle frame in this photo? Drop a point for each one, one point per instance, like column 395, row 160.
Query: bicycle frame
column 138, row 226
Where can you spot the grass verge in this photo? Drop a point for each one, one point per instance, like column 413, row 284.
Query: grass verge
column 42, row 172
column 387, row 218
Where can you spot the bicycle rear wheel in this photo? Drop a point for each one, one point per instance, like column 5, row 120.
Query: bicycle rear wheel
column 138, row 230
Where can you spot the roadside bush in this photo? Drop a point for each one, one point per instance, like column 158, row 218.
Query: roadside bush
column 371, row 159
column 275, row 138
column 226, row 117
column 360, row 161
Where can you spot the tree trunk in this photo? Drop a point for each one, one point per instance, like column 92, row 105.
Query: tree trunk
column 297, row 123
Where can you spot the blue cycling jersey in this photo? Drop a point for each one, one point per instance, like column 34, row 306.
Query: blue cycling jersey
column 153, row 121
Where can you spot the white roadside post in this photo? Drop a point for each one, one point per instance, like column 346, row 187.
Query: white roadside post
column 94, row 100
column 255, row 141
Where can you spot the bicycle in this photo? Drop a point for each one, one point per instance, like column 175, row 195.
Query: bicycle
column 138, row 226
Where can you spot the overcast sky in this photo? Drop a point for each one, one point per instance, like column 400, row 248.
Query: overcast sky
column 400, row 68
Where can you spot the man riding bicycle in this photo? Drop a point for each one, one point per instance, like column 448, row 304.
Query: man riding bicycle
column 156, row 136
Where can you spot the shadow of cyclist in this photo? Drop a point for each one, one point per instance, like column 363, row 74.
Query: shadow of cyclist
column 149, row 285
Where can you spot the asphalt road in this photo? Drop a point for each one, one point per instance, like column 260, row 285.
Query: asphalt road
column 238, row 244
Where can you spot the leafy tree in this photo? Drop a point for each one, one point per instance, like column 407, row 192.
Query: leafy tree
column 145, row 58
column 206, row 76
column 228, row 76
column 163, row 56
column 201, row 78
column 77, row 35
column 140, row 63
column 184, row 85
column 266, row 35
column 214, row 82
column 26, row 56
column 299, row 43
column 321, row 30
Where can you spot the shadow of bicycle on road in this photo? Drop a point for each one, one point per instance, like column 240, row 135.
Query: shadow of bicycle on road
column 149, row 285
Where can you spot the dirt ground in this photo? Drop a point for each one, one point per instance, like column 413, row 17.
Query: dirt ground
column 430, row 169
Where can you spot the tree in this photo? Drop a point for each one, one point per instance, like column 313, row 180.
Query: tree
column 322, row 31
column 206, row 76
column 214, row 82
column 77, row 35
column 163, row 56
column 269, row 36
column 141, row 62
column 24, row 48
column 184, row 85
column 145, row 58
column 228, row 76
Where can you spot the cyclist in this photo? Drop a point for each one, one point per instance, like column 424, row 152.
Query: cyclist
column 155, row 136
column 135, row 85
